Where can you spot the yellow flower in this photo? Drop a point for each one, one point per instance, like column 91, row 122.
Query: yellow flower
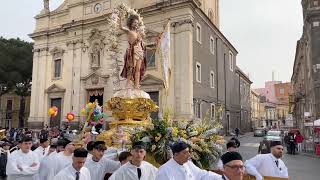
column 157, row 138
column 175, row 132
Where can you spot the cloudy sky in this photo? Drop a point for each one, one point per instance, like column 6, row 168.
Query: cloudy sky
column 263, row 31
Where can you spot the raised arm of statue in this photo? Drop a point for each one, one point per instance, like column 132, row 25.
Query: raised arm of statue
column 125, row 29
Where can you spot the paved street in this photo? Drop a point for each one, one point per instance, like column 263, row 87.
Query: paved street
column 300, row 167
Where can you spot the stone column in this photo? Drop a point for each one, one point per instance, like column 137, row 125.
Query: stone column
column 183, row 68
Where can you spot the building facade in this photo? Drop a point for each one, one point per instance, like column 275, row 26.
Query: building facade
column 282, row 93
column 203, row 61
column 244, row 85
column 306, row 71
column 10, row 115
column 255, row 109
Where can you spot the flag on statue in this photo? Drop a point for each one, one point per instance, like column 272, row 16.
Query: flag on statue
column 163, row 52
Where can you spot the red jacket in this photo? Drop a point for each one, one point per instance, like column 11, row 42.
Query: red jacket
column 299, row 138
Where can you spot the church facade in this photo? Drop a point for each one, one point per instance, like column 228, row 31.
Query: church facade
column 72, row 66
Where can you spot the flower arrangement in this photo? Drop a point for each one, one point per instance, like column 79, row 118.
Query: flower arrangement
column 93, row 113
column 201, row 135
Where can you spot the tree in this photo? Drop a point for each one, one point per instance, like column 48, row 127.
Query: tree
column 16, row 70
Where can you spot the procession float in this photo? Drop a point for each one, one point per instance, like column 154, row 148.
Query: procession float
column 129, row 109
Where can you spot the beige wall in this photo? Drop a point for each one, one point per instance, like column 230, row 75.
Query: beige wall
column 15, row 110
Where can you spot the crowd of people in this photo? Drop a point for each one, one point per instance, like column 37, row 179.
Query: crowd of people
column 57, row 158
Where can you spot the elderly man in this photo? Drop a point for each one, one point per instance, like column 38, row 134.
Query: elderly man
column 23, row 164
column 98, row 164
column 137, row 168
column 180, row 167
column 231, row 147
column 75, row 171
column 233, row 167
column 268, row 164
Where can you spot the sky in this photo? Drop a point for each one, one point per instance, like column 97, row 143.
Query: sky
column 264, row 32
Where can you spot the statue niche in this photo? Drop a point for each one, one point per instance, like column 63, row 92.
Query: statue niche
column 96, row 48
column 95, row 56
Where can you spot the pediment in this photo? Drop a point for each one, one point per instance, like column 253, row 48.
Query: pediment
column 55, row 89
column 94, row 74
column 95, row 78
column 96, row 36
column 57, row 52
column 151, row 80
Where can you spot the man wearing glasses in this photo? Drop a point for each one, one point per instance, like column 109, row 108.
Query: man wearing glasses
column 233, row 167
column 268, row 164
column 98, row 164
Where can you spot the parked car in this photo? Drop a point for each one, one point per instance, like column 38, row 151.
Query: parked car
column 259, row 132
column 273, row 135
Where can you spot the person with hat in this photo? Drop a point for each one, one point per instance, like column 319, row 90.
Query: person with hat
column 23, row 164
column 137, row 168
column 231, row 147
column 268, row 164
column 233, row 167
column 43, row 149
column 180, row 167
column 98, row 164
column 76, row 170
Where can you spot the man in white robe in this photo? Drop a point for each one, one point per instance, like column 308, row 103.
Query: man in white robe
column 137, row 168
column 43, row 149
column 231, row 147
column 75, row 171
column 23, row 164
column 63, row 158
column 268, row 164
column 98, row 164
column 45, row 173
column 180, row 167
column 233, row 167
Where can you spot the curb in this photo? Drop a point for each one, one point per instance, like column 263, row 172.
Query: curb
column 309, row 155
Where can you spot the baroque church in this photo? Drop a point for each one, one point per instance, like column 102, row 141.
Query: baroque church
column 72, row 66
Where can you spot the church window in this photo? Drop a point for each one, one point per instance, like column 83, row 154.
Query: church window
column 57, row 68
column 198, row 30
column 212, row 79
column 197, row 109
column 151, row 56
column 211, row 45
column 198, row 72
column 231, row 60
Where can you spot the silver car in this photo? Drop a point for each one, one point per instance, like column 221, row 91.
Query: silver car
column 259, row 132
column 273, row 135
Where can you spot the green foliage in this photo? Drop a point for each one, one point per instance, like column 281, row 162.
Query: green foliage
column 15, row 65
column 200, row 135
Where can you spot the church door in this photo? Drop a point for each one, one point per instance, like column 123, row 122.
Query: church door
column 56, row 121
